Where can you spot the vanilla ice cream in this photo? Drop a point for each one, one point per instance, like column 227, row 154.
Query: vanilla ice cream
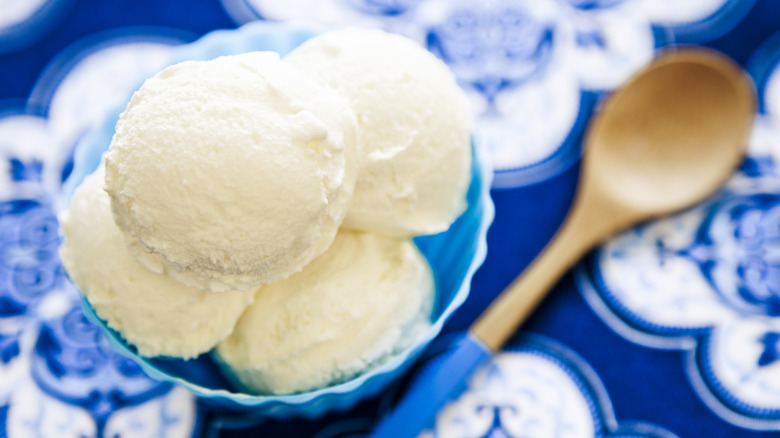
column 157, row 314
column 365, row 298
column 231, row 173
column 415, row 127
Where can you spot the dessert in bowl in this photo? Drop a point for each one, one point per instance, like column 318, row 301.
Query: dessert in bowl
column 429, row 256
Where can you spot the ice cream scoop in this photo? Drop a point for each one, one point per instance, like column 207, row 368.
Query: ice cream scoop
column 157, row 314
column 415, row 127
column 230, row 173
column 365, row 298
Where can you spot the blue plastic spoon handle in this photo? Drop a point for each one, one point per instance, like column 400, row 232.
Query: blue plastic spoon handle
column 441, row 380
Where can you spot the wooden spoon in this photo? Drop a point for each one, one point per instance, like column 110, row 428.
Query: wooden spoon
column 665, row 141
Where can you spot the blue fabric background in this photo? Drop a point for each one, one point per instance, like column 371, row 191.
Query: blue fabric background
column 644, row 384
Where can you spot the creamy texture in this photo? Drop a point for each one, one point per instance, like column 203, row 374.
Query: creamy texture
column 415, row 127
column 231, row 173
column 157, row 314
column 367, row 297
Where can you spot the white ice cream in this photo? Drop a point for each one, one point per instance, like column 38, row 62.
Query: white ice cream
column 157, row 314
column 365, row 298
column 231, row 173
column 415, row 127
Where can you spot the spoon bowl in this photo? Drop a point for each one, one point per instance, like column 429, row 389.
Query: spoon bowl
column 665, row 141
column 672, row 136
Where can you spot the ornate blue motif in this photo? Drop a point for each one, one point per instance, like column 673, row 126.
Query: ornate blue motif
column 742, row 235
column 491, row 50
column 9, row 347
column 594, row 4
column 74, row 363
column 703, row 282
column 771, row 343
column 21, row 171
column 758, row 166
column 29, row 264
column 384, row 7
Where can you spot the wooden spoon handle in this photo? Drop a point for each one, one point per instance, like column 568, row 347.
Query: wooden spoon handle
column 591, row 219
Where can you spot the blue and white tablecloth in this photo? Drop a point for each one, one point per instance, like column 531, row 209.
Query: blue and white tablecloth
column 671, row 329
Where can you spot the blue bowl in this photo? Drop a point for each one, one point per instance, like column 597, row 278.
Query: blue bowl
column 454, row 255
